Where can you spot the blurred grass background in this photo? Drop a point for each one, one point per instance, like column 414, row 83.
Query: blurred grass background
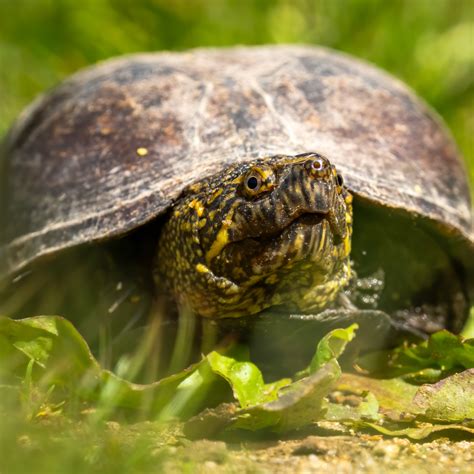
column 427, row 43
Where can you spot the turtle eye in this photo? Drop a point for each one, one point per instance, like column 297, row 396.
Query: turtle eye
column 257, row 180
column 339, row 180
column 252, row 183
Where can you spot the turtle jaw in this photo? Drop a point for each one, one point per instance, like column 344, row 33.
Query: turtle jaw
column 269, row 233
column 304, row 219
column 302, row 267
column 255, row 258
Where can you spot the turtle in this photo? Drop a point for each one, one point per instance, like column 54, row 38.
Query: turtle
column 238, row 182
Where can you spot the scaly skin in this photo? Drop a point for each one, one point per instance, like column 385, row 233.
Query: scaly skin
column 275, row 231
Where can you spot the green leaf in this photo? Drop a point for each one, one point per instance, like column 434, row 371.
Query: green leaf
column 331, row 346
column 297, row 405
column 366, row 409
column 63, row 359
column 419, row 430
column 451, row 399
column 445, row 351
column 245, row 379
column 282, row 405
column 468, row 329
column 394, row 396
column 429, row 361
column 189, row 394
column 51, row 342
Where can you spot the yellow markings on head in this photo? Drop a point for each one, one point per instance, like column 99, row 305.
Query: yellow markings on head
column 239, row 272
column 265, row 173
column 222, row 239
column 142, row 151
column 215, row 195
column 272, row 279
column 299, row 241
column 322, row 239
column 195, row 188
column 297, row 189
column 348, row 270
column 347, row 244
column 201, row 268
column 255, row 308
column 229, row 300
column 197, row 206
column 348, row 198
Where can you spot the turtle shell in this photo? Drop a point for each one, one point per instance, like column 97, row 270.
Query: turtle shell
column 114, row 145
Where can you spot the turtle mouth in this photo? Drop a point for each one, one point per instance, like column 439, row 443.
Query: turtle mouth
column 256, row 256
column 268, row 235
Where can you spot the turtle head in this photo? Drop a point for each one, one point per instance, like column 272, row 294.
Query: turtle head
column 269, row 232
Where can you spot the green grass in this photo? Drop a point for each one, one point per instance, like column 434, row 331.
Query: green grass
column 427, row 43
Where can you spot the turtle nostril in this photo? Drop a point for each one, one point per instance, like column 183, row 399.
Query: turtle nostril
column 317, row 167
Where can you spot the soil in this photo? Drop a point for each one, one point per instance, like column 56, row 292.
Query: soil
column 339, row 454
